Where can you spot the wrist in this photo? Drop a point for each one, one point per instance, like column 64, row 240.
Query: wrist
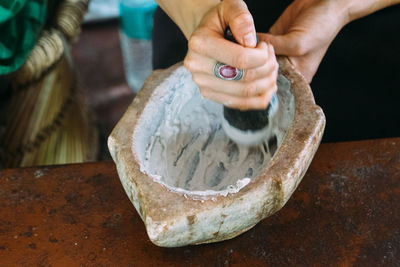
column 344, row 11
column 188, row 14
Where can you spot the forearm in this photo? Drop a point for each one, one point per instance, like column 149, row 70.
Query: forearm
column 361, row 8
column 187, row 14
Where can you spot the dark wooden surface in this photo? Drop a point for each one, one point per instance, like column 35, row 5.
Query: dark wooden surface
column 346, row 212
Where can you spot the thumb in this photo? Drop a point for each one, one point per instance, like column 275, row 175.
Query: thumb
column 287, row 45
column 240, row 20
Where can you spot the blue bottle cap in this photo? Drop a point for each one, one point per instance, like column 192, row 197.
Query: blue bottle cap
column 136, row 18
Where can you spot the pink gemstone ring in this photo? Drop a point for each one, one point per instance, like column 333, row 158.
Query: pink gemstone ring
column 226, row 72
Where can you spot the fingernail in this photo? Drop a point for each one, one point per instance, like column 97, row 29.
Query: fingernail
column 250, row 40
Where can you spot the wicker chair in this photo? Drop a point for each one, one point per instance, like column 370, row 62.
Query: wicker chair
column 47, row 121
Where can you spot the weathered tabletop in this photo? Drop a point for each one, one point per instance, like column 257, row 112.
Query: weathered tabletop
column 345, row 212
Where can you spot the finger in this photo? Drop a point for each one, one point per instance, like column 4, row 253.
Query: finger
column 290, row 44
column 197, row 63
column 261, row 72
column 242, row 103
column 309, row 63
column 229, row 53
column 214, row 46
column 236, row 14
column 235, row 88
column 265, row 70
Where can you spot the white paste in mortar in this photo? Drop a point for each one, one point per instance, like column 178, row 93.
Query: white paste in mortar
column 179, row 140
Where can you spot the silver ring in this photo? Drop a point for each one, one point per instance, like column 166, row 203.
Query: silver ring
column 231, row 73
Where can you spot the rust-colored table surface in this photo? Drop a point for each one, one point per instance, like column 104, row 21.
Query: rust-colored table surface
column 345, row 212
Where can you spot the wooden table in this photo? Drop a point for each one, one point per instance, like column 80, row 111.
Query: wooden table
column 345, row 212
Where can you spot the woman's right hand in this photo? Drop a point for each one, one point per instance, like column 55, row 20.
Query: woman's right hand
column 306, row 28
column 207, row 46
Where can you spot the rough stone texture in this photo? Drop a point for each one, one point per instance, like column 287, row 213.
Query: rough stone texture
column 173, row 219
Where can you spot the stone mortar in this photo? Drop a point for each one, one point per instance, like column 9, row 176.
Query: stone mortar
column 174, row 219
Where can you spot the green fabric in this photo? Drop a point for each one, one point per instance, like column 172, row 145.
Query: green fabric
column 21, row 22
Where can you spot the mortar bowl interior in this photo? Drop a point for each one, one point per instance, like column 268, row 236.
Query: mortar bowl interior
column 181, row 144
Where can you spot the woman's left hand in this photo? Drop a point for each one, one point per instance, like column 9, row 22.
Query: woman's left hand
column 305, row 30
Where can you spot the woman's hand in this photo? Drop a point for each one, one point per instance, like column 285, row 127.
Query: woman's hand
column 303, row 33
column 305, row 30
column 207, row 46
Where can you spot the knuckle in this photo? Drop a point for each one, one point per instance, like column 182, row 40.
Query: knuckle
column 273, row 70
column 276, row 67
column 205, row 93
column 272, row 87
column 265, row 85
column 265, row 101
column 189, row 63
column 275, row 74
column 244, row 104
column 264, row 59
column 241, row 61
column 195, row 43
column 300, row 48
column 243, row 19
column 250, row 75
column 275, row 88
column 272, row 63
column 249, row 89
column 196, row 79
column 273, row 60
